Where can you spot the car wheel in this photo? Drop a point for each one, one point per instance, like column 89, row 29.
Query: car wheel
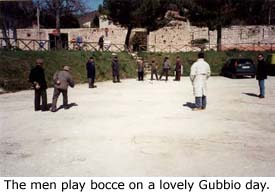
column 252, row 76
column 233, row 76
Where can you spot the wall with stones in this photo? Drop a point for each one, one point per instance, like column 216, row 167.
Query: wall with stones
column 175, row 37
column 89, row 35
column 249, row 37
column 179, row 37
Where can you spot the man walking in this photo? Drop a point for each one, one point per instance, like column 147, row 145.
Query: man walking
column 90, row 67
column 62, row 79
column 37, row 78
column 261, row 74
column 115, row 69
column 200, row 72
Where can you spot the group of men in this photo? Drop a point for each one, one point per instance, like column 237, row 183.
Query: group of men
column 62, row 79
column 199, row 74
column 154, row 69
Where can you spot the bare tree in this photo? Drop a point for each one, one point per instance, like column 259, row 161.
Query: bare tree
column 14, row 15
column 60, row 8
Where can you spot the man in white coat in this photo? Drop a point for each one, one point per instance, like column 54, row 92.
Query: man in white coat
column 200, row 72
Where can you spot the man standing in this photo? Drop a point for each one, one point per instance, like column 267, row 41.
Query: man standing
column 261, row 74
column 165, row 68
column 90, row 67
column 140, row 67
column 178, row 69
column 115, row 69
column 200, row 72
column 37, row 78
column 154, row 69
column 101, row 43
column 62, row 79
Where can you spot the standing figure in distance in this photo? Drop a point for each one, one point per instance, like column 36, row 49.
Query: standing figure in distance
column 261, row 74
column 101, row 43
column 62, row 79
column 178, row 69
column 37, row 78
column 154, row 69
column 91, row 72
column 165, row 68
column 200, row 72
column 140, row 68
column 115, row 68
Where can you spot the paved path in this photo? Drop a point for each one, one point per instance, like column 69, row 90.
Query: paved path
column 142, row 129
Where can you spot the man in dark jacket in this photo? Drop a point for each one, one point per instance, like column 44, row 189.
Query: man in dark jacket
column 115, row 69
column 90, row 67
column 178, row 69
column 261, row 74
column 37, row 78
column 62, row 79
column 101, row 43
column 140, row 68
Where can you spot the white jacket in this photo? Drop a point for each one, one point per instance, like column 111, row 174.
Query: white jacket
column 200, row 72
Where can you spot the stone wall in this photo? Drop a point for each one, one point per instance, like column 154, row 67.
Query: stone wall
column 89, row 35
column 177, row 36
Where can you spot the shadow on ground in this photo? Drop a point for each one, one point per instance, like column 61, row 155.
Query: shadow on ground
column 251, row 94
column 189, row 105
column 67, row 107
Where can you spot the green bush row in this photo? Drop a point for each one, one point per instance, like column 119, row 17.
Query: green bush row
column 15, row 66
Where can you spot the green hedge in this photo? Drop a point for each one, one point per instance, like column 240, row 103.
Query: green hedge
column 15, row 66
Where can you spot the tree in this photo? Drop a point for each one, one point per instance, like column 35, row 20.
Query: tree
column 148, row 14
column 214, row 14
column 15, row 15
column 62, row 8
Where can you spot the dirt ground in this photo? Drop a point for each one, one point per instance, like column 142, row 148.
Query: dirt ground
column 142, row 129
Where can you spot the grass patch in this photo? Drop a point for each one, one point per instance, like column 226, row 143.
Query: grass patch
column 15, row 66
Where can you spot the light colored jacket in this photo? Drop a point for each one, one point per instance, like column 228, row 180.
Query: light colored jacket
column 200, row 72
column 140, row 66
column 62, row 79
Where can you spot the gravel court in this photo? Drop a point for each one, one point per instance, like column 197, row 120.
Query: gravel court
column 142, row 129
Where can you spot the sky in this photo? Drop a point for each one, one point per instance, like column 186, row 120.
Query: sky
column 93, row 4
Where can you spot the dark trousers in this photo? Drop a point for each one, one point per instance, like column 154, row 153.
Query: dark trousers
column 91, row 81
column 38, row 94
column 116, row 78
column 164, row 72
column 177, row 78
column 200, row 102
column 154, row 72
column 56, row 94
column 140, row 75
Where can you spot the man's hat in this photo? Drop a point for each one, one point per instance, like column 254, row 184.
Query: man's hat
column 66, row 68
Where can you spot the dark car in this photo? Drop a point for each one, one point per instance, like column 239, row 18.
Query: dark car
column 239, row 67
